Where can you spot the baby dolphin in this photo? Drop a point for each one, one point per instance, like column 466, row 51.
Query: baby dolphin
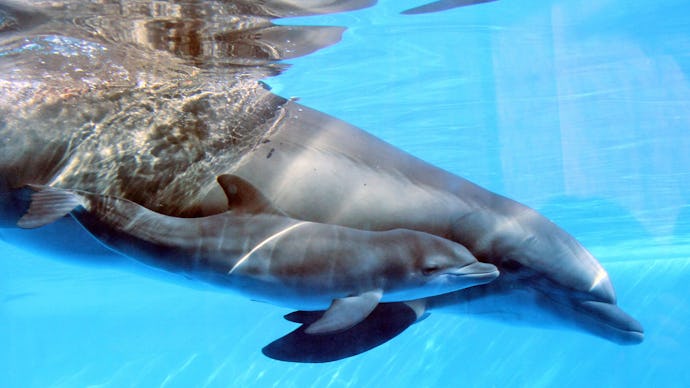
column 258, row 251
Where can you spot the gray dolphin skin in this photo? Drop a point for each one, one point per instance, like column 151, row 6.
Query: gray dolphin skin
column 156, row 121
column 274, row 258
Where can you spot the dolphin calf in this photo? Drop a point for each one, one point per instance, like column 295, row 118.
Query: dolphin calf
column 260, row 252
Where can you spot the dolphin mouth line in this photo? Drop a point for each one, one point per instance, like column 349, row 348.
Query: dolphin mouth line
column 476, row 270
column 621, row 322
column 613, row 323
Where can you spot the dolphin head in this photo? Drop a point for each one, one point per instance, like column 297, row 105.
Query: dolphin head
column 522, row 240
column 534, row 253
column 434, row 266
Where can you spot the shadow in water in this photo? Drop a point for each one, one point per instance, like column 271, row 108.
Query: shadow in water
column 385, row 322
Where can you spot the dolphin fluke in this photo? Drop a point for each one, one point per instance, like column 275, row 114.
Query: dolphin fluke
column 386, row 321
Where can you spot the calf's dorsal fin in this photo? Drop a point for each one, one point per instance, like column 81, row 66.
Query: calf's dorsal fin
column 243, row 197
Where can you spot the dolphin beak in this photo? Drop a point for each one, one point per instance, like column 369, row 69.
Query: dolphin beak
column 611, row 322
column 603, row 319
column 480, row 272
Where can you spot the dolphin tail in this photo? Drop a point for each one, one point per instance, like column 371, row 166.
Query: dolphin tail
column 48, row 204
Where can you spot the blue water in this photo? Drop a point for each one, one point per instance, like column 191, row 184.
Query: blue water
column 581, row 111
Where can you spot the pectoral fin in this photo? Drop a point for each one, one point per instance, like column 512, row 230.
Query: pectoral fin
column 345, row 313
column 419, row 307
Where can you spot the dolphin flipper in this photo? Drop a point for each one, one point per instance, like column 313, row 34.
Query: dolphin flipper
column 303, row 317
column 346, row 312
column 418, row 307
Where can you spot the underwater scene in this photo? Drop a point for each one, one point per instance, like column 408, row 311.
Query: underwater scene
column 344, row 193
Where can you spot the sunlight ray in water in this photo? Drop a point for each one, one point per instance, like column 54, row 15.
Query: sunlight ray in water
column 170, row 378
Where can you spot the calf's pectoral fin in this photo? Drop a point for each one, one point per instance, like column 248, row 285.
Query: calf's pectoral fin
column 344, row 313
column 419, row 307
column 47, row 206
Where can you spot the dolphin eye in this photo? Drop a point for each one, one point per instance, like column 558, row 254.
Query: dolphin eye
column 430, row 270
column 511, row 265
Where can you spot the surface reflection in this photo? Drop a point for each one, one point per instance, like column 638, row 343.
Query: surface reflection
column 206, row 34
column 120, row 91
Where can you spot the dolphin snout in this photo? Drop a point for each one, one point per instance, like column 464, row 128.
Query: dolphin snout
column 610, row 321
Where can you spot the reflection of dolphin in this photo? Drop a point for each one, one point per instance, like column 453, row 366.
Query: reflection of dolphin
column 443, row 5
column 273, row 258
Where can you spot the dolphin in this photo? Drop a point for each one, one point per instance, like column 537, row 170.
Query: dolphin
column 260, row 252
column 161, row 138
column 312, row 166
column 363, row 173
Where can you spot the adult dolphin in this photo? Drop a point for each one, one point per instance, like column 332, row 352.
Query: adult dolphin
column 258, row 251
column 322, row 169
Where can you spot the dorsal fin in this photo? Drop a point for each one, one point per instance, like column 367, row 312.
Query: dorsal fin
column 243, row 197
